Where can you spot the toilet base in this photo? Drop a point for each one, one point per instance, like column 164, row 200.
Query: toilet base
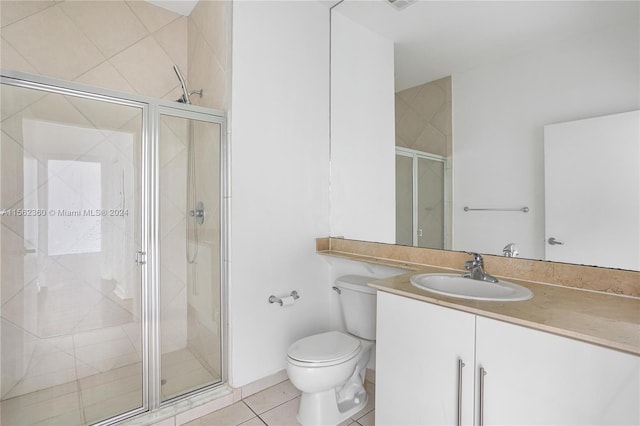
column 322, row 408
column 336, row 404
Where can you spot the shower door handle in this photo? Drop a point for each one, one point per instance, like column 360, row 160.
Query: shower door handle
column 553, row 242
column 141, row 257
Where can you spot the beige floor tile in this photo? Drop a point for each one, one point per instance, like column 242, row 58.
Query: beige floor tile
column 272, row 397
column 177, row 383
column 109, row 407
column 41, row 395
column 111, row 376
column 181, row 371
column 368, row 420
column 108, row 355
column 282, row 415
column 70, row 418
column 371, row 393
column 232, row 415
column 348, row 422
column 32, row 383
column 26, row 411
column 109, row 388
column 107, row 394
column 94, row 337
column 254, row 422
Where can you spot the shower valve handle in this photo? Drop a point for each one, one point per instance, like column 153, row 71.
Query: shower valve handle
column 198, row 213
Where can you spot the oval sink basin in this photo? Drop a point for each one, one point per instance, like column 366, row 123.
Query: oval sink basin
column 454, row 285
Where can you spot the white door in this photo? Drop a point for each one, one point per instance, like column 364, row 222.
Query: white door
column 592, row 191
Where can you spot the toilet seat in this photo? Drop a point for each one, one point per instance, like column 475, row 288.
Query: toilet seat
column 324, row 349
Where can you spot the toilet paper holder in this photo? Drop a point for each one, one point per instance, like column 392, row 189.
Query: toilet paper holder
column 273, row 299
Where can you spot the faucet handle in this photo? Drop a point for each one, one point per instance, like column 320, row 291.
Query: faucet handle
column 477, row 259
column 510, row 250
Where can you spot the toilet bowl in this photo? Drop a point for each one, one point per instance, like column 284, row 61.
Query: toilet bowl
column 329, row 368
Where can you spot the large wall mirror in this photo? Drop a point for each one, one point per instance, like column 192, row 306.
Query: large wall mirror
column 520, row 118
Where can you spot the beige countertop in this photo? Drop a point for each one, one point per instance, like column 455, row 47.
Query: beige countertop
column 600, row 318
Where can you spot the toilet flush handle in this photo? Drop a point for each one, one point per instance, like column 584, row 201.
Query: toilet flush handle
column 337, row 290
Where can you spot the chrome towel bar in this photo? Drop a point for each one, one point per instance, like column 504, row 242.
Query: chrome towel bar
column 521, row 209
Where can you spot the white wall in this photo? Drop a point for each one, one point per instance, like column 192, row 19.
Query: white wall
column 498, row 116
column 279, row 181
column 362, row 196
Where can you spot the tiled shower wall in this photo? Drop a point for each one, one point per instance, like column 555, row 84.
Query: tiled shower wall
column 209, row 40
column 423, row 117
column 129, row 46
column 125, row 46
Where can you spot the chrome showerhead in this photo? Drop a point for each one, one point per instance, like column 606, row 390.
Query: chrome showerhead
column 185, row 92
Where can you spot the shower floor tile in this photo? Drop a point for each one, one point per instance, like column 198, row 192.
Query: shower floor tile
column 182, row 371
column 113, row 391
column 58, row 405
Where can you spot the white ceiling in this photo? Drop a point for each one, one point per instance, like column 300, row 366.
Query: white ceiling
column 183, row 7
column 434, row 39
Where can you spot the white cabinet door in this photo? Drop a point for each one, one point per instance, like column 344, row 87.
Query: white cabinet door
column 418, row 348
column 536, row 378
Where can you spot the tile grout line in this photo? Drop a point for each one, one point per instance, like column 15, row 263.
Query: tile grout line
column 253, row 411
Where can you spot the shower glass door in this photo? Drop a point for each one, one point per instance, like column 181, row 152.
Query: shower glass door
column 404, row 200
column 189, row 260
column 71, row 302
column 421, row 209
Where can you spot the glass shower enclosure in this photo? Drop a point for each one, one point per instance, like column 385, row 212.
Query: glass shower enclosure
column 111, row 240
column 422, row 205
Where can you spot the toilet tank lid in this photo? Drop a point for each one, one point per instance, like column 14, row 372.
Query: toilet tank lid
column 356, row 283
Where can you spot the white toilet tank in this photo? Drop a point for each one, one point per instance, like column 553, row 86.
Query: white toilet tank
column 358, row 303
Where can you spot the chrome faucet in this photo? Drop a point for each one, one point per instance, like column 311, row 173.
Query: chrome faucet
column 510, row 250
column 476, row 272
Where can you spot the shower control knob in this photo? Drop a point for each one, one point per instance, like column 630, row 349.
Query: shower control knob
column 198, row 213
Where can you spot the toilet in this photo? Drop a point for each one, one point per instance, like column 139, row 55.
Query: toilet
column 329, row 368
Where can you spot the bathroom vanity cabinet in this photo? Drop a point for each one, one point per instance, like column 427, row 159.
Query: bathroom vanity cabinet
column 532, row 377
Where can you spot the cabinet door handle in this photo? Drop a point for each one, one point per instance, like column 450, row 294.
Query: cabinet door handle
column 483, row 373
column 460, row 367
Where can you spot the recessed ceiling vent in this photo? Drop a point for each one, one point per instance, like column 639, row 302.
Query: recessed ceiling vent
column 400, row 4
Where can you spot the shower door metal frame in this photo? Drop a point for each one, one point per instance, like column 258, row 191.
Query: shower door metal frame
column 415, row 155
column 188, row 112
column 151, row 109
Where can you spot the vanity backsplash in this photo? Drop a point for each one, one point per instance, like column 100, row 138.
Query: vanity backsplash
column 614, row 281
